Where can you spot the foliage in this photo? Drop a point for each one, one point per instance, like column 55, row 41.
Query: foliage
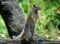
column 3, row 30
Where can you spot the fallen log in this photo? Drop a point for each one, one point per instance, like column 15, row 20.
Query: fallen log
column 10, row 41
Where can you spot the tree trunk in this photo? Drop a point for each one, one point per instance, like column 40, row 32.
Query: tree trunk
column 13, row 16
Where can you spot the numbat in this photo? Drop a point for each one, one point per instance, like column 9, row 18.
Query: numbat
column 30, row 23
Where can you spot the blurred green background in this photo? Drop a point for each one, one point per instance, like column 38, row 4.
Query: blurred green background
column 48, row 22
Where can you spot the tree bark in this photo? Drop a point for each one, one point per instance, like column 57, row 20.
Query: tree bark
column 13, row 16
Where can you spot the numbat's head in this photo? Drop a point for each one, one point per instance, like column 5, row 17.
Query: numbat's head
column 34, row 12
column 35, row 9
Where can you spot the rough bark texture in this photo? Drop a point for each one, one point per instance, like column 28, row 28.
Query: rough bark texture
column 13, row 16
